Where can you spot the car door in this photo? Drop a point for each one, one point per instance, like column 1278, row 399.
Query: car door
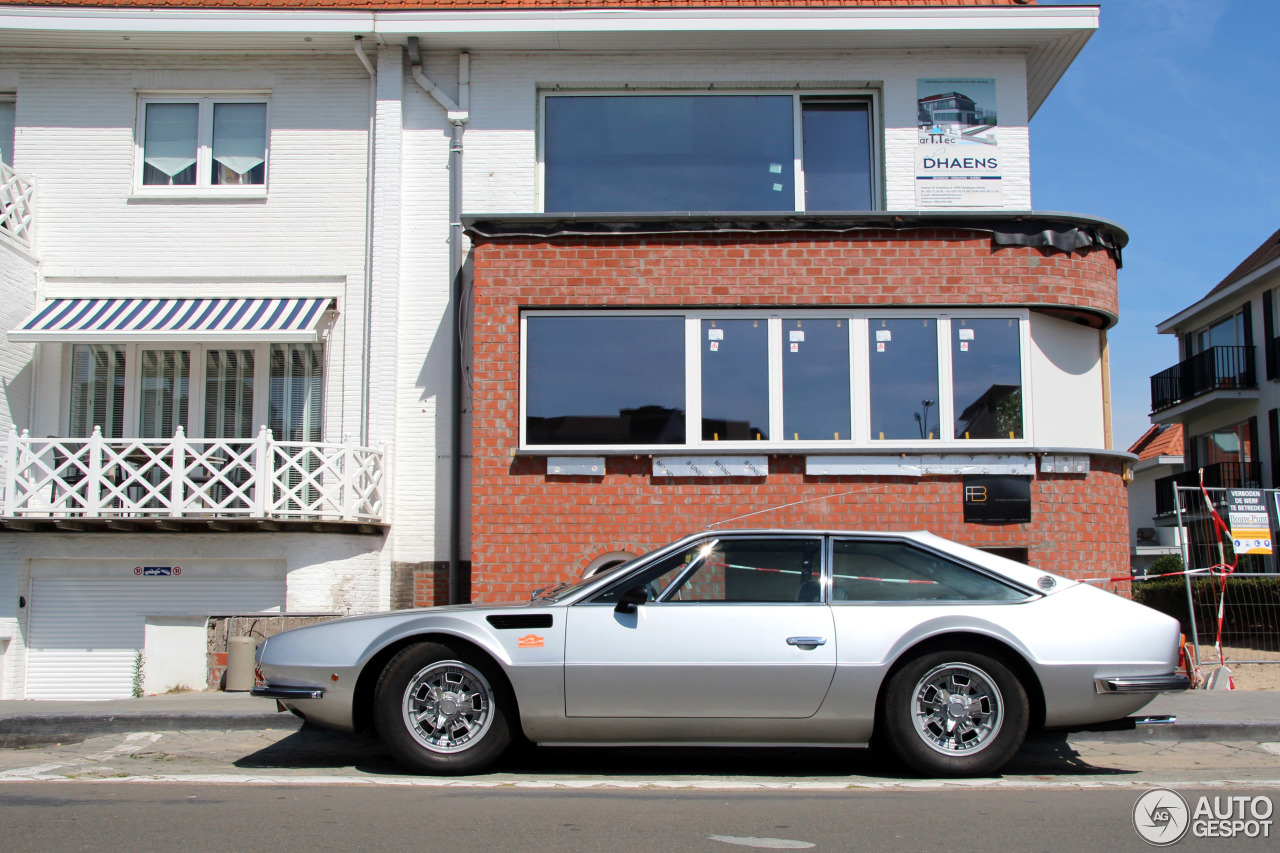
column 737, row 628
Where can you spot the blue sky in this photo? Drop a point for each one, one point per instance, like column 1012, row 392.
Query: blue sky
column 1166, row 124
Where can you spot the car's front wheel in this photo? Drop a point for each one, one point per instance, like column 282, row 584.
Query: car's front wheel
column 955, row 713
column 443, row 711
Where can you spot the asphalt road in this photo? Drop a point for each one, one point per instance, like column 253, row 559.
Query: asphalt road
column 123, row 816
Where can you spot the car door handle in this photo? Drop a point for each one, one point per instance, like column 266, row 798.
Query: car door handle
column 806, row 641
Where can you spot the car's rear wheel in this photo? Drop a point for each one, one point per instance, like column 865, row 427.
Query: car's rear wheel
column 955, row 713
column 442, row 710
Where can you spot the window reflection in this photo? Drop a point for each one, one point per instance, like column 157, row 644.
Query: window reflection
column 669, row 153
column 903, row 356
column 815, row 380
column 735, row 380
column 986, row 376
column 605, row 380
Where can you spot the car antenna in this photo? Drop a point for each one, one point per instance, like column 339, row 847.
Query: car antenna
column 793, row 503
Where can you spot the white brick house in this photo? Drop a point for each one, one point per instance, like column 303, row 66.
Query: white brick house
column 185, row 156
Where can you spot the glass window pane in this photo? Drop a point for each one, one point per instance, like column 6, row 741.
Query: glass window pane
column 605, row 380
column 986, row 377
column 895, row 571
column 655, row 578
column 815, row 380
column 165, row 393
column 239, row 143
column 759, row 570
column 228, row 394
column 669, row 153
column 837, row 156
column 296, row 395
column 7, row 109
column 735, row 380
column 97, row 390
column 169, row 144
column 904, row 378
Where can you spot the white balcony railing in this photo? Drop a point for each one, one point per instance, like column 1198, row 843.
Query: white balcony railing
column 16, row 205
column 199, row 479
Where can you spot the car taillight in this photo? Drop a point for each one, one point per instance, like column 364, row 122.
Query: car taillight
column 259, row 680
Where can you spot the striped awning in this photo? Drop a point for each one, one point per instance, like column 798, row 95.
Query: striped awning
column 292, row 320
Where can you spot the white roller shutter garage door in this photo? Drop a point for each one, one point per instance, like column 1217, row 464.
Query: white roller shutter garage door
column 87, row 630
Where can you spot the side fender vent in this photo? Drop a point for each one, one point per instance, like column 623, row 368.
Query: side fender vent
column 520, row 621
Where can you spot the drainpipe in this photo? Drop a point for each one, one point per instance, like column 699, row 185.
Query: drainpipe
column 458, row 114
column 366, row 333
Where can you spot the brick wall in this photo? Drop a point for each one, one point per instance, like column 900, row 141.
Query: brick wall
column 530, row 529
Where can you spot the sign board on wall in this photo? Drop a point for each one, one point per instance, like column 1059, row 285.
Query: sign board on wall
column 994, row 499
column 1250, row 523
column 958, row 160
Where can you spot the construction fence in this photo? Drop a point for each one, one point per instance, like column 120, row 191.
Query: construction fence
column 1247, row 598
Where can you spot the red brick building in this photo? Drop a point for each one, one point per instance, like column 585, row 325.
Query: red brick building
column 552, row 499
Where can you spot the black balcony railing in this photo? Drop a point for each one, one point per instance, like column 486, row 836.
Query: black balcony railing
column 1221, row 475
column 1211, row 370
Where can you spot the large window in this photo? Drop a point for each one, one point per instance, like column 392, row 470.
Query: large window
column 986, row 376
column 145, row 391
column 902, row 355
column 707, row 152
column 605, row 379
column 211, row 144
column 772, row 379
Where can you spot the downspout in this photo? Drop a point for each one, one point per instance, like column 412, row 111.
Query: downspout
column 458, row 114
column 366, row 333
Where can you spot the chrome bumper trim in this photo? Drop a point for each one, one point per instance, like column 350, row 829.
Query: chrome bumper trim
column 270, row 692
column 1142, row 683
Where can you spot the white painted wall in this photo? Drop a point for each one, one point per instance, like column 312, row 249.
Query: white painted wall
column 501, row 156
column 176, row 653
column 75, row 137
column 1066, row 383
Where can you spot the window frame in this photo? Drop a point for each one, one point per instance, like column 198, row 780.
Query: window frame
column 194, row 428
column 871, row 95
column 859, row 374
column 204, row 186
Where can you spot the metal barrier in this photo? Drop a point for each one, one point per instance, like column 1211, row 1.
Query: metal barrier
column 1250, row 599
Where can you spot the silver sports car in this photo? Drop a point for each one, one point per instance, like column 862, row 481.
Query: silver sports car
column 946, row 654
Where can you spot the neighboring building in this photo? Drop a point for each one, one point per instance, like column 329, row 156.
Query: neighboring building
column 1224, row 389
column 224, row 219
column 1159, row 453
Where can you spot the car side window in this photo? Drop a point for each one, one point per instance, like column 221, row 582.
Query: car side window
column 874, row 570
column 770, row 570
column 655, row 578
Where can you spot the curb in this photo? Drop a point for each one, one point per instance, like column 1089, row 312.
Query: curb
column 39, row 729
column 1189, row 731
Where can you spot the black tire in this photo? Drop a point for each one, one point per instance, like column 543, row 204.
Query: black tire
column 469, row 730
column 988, row 732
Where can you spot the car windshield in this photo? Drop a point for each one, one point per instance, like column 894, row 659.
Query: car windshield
column 558, row 591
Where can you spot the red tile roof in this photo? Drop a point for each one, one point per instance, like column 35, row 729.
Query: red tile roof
column 1160, row 440
column 1263, row 255
column 463, row 5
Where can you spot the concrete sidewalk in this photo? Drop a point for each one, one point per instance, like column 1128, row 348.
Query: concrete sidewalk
column 1239, row 715
column 32, row 721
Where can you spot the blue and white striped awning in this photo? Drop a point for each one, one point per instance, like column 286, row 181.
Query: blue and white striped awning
column 292, row 320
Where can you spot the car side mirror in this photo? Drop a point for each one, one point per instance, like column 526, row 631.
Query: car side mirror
column 627, row 602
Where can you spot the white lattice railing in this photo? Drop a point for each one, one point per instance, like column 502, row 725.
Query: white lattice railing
column 17, row 209
column 180, row 477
